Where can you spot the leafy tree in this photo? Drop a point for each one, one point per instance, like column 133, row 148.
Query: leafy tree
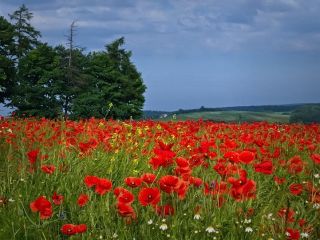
column 116, row 87
column 306, row 114
column 7, row 51
column 26, row 37
column 34, row 92
column 72, row 78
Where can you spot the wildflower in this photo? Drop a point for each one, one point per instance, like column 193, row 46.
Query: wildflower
column 49, row 169
column 296, row 189
column 102, row 185
column 82, row 200
column 316, row 205
column 133, row 182
column 72, row 229
column 316, row 158
column 210, row 230
column 148, row 178
column 292, row 233
column 246, row 157
column 150, row 222
column 57, row 199
column 317, row 175
column 165, row 210
column 42, row 205
column 149, row 196
column 247, row 221
column 304, row 235
column 197, row 216
column 126, row 210
column 32, row 156
column 265, row 167
column 248, row 230
column 169, row 183
column 163, row 227
column 115, row 235
column 123, row 195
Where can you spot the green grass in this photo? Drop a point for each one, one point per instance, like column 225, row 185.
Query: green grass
column 236, row 116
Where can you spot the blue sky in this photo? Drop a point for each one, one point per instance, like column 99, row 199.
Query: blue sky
column 194, row 53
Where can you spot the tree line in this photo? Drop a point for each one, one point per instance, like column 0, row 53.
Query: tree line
column 63, row 81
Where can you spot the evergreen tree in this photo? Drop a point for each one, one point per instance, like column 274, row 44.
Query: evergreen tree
column 116, row 87
column 26, row 36
column 7, row 52
column 34, row 93
column 72, row 79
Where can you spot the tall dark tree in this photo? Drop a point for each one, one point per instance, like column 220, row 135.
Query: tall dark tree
column 7, row 52
column 34, row 94
column 72, row 79
column 26, row 36
column 116, row 87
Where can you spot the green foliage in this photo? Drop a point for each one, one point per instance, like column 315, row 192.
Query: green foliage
column 71, row 80
column 306, row 114
column 40, row 80
column 113, row 80
column 26, row 36
column 7, row 51
column 34, row 93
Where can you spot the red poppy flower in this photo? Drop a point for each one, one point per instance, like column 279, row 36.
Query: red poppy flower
column 133, row 182
column 220, row 168
column 72, row 229
column 215, row 188
column 49, row 169
column 295, row 165
column 242, row 188
column 296, row 188
column 166, row 210
column 292, row 234
column 148, row 178
column 197, row 182
column 83, row 200
column 232, row 156
column 169, row 183
column 57, row 199
column 164, row 156
column 181, row 162
column 149, row 196
column 91, row 181
column 103, row 186
column 279, row 180
column 68, row 229
column 123, row 195
column 32, row 156
column 182, row 189
column 43, row 206
column 289, row 216
column 246, row 157
column 265, row 167
column 316, row 158
column 126, row 210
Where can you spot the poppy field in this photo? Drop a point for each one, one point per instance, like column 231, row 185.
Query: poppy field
column 98, row 179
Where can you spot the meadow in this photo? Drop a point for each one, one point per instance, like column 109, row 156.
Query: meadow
column 98, row 179
column 236, row 116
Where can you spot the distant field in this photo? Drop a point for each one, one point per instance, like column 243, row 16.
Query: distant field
column 236, row 116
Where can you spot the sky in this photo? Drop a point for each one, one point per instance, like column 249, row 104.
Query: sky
column 194, row 53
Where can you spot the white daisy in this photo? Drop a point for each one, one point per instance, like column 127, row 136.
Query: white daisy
column 163, row 227
column 210, row 229
column 197, row 217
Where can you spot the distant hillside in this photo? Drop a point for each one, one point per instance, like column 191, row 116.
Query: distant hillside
column 270, row 113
